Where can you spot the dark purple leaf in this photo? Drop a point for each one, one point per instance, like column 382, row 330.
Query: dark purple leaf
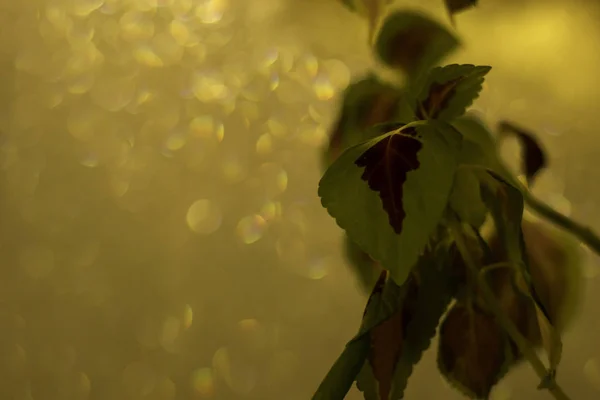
column 534, row 157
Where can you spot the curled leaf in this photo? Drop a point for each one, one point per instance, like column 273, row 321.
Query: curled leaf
column 506, row 205
column 413, row 43
column 533, row 155
column 450, row 90
column 473, row 352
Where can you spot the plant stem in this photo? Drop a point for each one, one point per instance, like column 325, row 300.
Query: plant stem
column 505, row 322
column 583, row 233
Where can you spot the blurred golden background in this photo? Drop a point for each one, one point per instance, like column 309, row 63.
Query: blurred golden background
column 160, row 233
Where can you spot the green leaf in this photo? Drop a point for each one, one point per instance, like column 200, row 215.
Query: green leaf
column 533, row 156
column 390, row 193
column 413, row 43
column 480, row 148
column 364, row 267
column 450, row 90
column 479, row 145
column 506, row 204
column 474, row 353
column 438, row 283
column 341, row 376
column 366, row 103
column 465, row 199
column 478, row 151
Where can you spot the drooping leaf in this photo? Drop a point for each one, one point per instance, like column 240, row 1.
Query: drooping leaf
column 450, row 90
column 437, row 284
column 533, row 156
column 413, row 43
column 341, row 376
column 473, row 352
column 364, row 267
column 456, row 6
column 366, row 103
column 506, row 205
column 394, row 224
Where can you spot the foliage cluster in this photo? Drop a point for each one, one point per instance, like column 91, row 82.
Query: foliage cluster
column 413, row 179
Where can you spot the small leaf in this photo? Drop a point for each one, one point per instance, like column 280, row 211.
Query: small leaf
column 473, row 351
column 534, row 157
column 456, row 6
column 450, row 90
column 341, row 376
column 366, row 102
column 414, row 200
column 364, row 267
column 413, row 43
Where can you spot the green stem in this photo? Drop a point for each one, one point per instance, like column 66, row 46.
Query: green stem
column 505, row 322
column 583, row 233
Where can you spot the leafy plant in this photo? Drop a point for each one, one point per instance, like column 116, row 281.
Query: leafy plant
column 412, row 178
